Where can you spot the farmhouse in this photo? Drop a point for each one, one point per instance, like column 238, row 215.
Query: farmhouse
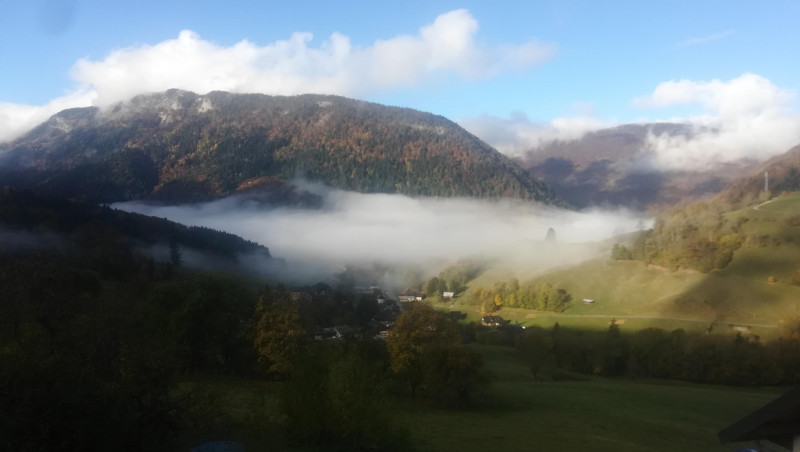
column 492, row 320
column 448, row 295
column 410, row 295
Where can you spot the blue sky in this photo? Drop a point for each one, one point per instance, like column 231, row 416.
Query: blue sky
column 532, row 70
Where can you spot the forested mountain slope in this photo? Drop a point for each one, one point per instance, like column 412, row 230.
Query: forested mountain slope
column 783, row 173
column 112, row 241
column 611, row 167
column 180, row 146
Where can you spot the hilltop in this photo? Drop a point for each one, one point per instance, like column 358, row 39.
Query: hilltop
column 612, row 167
column 783, row 172
column 178, row 146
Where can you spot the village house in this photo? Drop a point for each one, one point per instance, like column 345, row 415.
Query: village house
column 411, row 295
column 492, row 320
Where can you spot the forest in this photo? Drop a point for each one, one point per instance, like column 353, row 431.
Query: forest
column 139, row 150
column 92, row 360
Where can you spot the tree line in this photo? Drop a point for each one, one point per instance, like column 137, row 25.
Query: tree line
column 541, row 296
column 702, row 357
column 698, row 236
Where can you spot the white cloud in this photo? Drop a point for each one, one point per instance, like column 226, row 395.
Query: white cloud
column 16, row 119
column 517, row 135
column 356, row 228
column 747, row 117
column 704, row 39
column 447, row 47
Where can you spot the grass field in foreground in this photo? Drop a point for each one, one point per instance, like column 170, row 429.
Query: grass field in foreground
column 598, row 415
column 519, row 413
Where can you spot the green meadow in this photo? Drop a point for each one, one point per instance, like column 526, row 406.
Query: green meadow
column 754, row 291
column 515, row 412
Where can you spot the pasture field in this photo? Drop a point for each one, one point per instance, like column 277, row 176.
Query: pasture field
column 597, row 414
column 517, row 412
column 755, row 291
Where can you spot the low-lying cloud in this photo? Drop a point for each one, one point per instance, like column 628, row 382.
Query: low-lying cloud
column 16, row 119
column 517, row 135
column 448, row 47
column 361, row 229
column 748, row 118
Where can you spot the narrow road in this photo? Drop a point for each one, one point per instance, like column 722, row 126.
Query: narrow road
column 655, row 317
column 758, row 207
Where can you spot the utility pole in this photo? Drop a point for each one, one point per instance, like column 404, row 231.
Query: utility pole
column 766, row 181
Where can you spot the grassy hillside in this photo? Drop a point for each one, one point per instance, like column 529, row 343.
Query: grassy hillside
column 755, row 290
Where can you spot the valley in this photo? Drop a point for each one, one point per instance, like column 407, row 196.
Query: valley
column 308, row 267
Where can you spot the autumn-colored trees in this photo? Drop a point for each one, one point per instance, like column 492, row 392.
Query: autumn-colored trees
column 698, row 236
column 426, row 352
column 198, row 155
column 542, row 296
column 278, row 332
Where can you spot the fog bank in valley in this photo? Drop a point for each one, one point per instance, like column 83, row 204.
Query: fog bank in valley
column 396, row 230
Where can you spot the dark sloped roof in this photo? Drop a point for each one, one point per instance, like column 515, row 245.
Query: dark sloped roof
column 778, row 421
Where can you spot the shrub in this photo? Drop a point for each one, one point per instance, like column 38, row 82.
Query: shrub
column 793, row 221
column 621, row 252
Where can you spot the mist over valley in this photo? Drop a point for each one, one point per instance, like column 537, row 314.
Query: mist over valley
column 359, row 229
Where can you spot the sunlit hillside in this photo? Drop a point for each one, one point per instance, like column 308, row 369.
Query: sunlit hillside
column 757, row 291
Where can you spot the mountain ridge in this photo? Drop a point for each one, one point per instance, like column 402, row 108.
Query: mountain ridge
column 165, row 145
column 116, row 241
column 610, row 166
column 783, row 173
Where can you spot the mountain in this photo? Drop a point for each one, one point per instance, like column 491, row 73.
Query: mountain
column 116, row 242
column 609, row 167
column 179, row 146
column 783, row 174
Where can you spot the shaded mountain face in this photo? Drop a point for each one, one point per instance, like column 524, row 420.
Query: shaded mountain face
column 783, row 174
column 612, row 167
column 114, row 242
column 179, row 146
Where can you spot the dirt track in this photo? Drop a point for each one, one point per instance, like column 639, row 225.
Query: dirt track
column 654, row 317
